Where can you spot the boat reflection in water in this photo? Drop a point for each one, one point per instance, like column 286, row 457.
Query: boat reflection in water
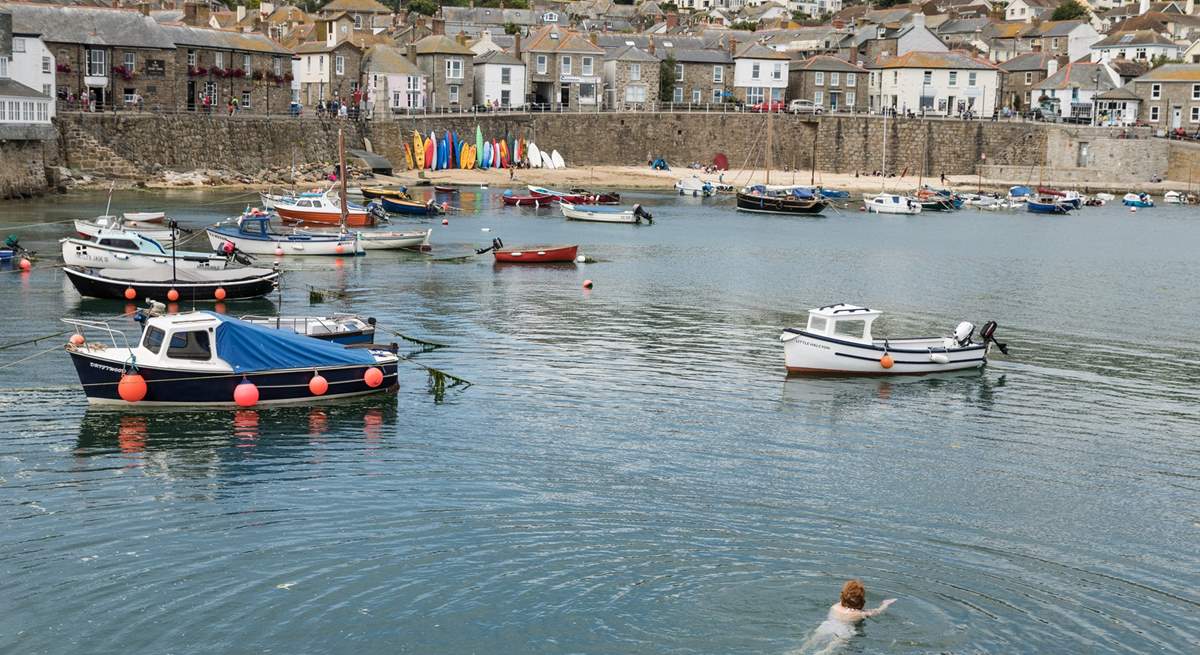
column 840, row 395
column 203, row 438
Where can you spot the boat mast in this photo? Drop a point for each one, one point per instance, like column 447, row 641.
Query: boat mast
column 342, row 176
column 812, row 180
column 770, row 141
column 883, row 171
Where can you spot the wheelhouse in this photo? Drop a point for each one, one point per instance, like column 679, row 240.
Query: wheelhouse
column 843, row 322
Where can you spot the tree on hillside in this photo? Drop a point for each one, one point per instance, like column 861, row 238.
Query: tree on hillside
column 425, row 7
column 744, row 25
column 512, row 28
column 666, row 79
column 1069, row 10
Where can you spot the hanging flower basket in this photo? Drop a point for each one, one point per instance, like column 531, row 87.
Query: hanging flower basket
column 235, row 72
column 258, row 75
column 122, row 72
column 197, row 71
column 62, row 68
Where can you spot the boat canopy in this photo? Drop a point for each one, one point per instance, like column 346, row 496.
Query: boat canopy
column 842, row 321
column 250, row 348
column 1019, row 191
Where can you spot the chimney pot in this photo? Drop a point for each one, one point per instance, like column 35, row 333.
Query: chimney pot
column 517, row 45
column 439, row 26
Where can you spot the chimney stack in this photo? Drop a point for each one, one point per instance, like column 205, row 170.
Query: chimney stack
column 411, row 52
column 732, row 47
column 650, row 48
column 461, row 38
column 594, row 38
column 241, row 13
column 517, row 45
column 1143, row 7
column 439, row 26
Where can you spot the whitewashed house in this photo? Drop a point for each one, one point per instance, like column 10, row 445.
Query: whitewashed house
column 32, row 64
column 499, row 79
column 1072, row 89
column 1029, row 11
column 1137, row 45
column 23, row 107
column 759, row 74
column 938, row 83
column 394, row 83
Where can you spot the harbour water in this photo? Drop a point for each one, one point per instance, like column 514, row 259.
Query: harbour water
column 631, row 471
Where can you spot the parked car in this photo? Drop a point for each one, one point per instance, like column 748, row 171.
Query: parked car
column 771, row 106
column 804, row 107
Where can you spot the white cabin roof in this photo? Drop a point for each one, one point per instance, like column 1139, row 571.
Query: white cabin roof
column 842, row 310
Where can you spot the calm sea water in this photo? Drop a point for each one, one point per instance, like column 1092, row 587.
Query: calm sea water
column 631, row 470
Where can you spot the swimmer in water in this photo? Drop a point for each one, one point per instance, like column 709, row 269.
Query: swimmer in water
column 838, row 627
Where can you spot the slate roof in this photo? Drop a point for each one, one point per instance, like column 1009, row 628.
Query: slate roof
column 1057, row 27
column 1132, row 39
column 10, row 88
column 440, row 44
column 203, row 37
column 360, row 6
column 1029, row 61
column 89, row 25
column 916, row 59
column 631, row 53
column 826, row 63
column 963, row 25
column 498, row 57
column 1123, row 93
column 554, row 39
column 756, row 51
column 697, row 55
column 389, row 59
column 1173, row 73
column 490, row 16
column 1078, row 75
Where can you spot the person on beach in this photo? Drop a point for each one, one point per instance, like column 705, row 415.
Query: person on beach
column 844, row 615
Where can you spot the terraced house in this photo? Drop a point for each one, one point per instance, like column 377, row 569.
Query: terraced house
column 1170, row 96
column 223, row 66
column 564, row 69
column 830, row 83
column 450, row 70
column 701, row 75
column 631, row 78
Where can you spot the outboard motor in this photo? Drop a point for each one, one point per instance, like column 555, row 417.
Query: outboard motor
column 375, row 208
column 641, row 212
column 962, row 333
column 987, row 332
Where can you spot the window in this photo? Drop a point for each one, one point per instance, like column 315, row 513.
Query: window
column 357, row 22
column 635, row 94
column 245, row 99
column 587, row 66
column 852, row 328
column 717, row 95
column 1195, row 114
column 971, row 79
column 850, row 97
column 219, row 60
column 210, row 90
column 414, row 91
column 190, row 345
column 454, row 69
column 97, row 63
column 819, row 78
column 851, row 79
column 696, row 96
column 130, row 60
column 43, row 113
column 541, row 64
column 397, row 99
column 277, row 64
column 896, row 77
column 564, row 65
column 191, row 59
column 129, row 96
column 677, row 94
column 1154, row 114
column 506, row 75
column 953, row 78
column 754, row 95
column 153, row 339
column 454, row 94
column 18, row 44
column 506, row 98
column 45, row 64
column 835, row 79
column 635, row 72
column 718, row 74
column 46, row 89
column 1155, row 91
column 927, row 78
column 816, row 324
column 754, row 71
column 1029, row 78
column 246, row 63
column 1140, row 53
column 587, row 93
column 339, row 65
column 777, row 72
column 818, row 97
column 1053, row 43
column 678, row 72
column 3, row 67
column 1196, row 92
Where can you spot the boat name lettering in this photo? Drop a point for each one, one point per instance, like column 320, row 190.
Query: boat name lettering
column 815, row 344
column 106, row 368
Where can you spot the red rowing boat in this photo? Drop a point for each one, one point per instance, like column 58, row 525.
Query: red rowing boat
column 576, row 196
column 528, row 201
column 445, row 189
column 537, row 254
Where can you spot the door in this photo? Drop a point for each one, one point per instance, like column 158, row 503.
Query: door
column 1176, row 117
column 1081, row 158
column 564, row 96
column 191, row 95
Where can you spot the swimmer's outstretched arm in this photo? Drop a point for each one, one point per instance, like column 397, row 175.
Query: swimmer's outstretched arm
column 879, row 610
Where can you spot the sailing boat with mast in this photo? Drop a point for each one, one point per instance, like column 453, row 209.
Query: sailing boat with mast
column 767, row 199
column 884, row 202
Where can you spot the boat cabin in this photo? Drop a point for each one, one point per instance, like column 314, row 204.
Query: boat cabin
column 841, row 321
column 255, row 225
column 181, row 341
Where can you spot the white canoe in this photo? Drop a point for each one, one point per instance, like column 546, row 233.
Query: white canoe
column 380, row 240
column 547, row 162
column 603, row 214
column 557, row 159
column 837, row 339
column 535, row 156
column 145, row 217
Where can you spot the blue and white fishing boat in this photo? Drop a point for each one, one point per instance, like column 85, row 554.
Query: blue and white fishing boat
column 1048, row 205
column 1019, row 193
column 206, row 359
column 409, row 207
column 1138, row 200
column 251, row 233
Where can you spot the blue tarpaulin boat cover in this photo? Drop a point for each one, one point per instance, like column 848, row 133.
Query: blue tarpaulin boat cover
column 1018, row 191
column 250, row 348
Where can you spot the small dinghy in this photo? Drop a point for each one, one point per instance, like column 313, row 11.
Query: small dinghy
column 445, row 189
column 205, row 359
column 694, row 186
column 576, row 196
column 1138, row 200
column 635, row 214
column 161, row 281
column 393, row 240
column 91, row 228
column 838, row 340
column 345, row 329
column 409, row 207
column 890, row 203
column 531, row 254
column 145, row 217
column 252, row 234
column 531, row 200
column 1048, row 205
column 372, row 192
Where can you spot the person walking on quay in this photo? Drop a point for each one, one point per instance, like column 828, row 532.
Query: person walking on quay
column 341, row 111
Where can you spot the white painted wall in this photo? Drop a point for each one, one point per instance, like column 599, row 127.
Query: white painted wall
column 33, row 64
column 489, row 85
column 902, row 88
column 772, row 73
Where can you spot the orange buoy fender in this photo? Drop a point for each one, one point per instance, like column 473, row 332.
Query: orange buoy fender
column 245, row 394
column 318, row 385
column 132, row 387
column 886, row 361
column 373, row 377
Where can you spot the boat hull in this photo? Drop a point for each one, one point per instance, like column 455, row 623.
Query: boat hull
column 418, row 240
column 814, row 354
column 93, row 285
column 409, row 207
column 625, row 217
column 290, row 244
column 175, row 388
column 1036, row 207
column 382, row 192
column 158, row 233
column 529, row 201
column 89, row 254
column 750, row 202
column 354, row 218
column 537, row 254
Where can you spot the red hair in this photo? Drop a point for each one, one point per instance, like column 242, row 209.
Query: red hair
column 854, row 595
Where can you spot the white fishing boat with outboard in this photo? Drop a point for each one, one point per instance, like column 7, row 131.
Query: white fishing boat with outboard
column 600, row 214
column 890, row 203
column 838, row 339
column 694, row 186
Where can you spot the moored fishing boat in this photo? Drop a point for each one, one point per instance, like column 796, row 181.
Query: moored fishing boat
column 510, row 198
column 766, row 199
column 1071, row 197
column 325, row 209
column 345, row 329
column 92, row 228
column 252, row 234
column 120, row 249
column 694, row 186
column 1137, row 200
column 395, row 240
column 1048, row 205
column 409, row 207
column 1019, row 193
column 576, row 197
column 837, row 339
column 635, row 214
column 890, row 203
column 165, row 283
column 205, row 359
column 372, row 192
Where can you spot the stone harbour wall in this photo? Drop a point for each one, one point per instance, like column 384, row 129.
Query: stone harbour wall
column 26, row 165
